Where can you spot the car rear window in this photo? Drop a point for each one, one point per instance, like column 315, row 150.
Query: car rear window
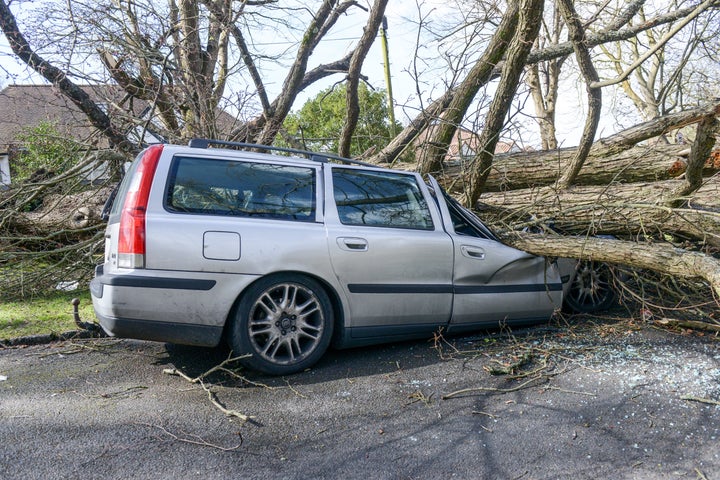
column 237, row 188
column 122, row 190
column 381, row 199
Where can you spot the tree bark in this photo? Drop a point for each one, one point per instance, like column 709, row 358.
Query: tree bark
column 663, row 258
column 353, row 79
column 542, row 168
column 529, row 17
column 577, row 36
column 705, row 139
column 62, row 213
column 685, row 208
column 637, row 209
column 440, row 137
column 613, row 159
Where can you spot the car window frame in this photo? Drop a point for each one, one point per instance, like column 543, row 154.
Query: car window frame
column 313, row 198
column 432, row 218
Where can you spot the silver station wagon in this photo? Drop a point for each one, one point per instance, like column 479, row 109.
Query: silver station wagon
column 285, row 254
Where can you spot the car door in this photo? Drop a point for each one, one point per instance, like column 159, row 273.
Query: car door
column 493, row 282
column 389, row 251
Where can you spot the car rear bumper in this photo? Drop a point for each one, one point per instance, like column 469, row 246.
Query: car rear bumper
column 144, row 306
column 171, row 332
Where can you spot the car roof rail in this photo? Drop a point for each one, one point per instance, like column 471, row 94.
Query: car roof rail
column 314, row 156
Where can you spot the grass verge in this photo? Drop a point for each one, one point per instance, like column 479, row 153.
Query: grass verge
column 43, row 315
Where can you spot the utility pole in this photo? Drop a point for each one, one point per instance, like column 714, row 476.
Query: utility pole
column 388, row 82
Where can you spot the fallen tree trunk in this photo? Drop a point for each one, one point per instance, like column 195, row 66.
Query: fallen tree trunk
column 618, row 158
column 618, row 209
column 70, row 214
column 663, row 258
column 534, row 169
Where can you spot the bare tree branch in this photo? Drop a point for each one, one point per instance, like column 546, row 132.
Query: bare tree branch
column 705, row 140
column 527, row 31
column 436, row 149
column 356, row 62
column 686, row 19
column 24, row 51
column 323, row 19
column 577, row 37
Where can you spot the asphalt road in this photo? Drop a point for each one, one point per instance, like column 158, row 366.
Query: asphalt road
column 610, row 400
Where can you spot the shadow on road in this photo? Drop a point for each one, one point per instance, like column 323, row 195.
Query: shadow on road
column 348, row 363
column 335, row 364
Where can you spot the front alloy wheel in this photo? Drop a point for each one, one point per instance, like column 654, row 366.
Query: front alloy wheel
column 284, row 322
column 591, row 289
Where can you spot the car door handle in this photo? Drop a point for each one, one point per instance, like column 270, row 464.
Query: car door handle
column 473, row 252
column 352, row 244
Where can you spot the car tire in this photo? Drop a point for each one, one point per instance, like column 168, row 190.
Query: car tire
column 285, row 322
column 591, row 288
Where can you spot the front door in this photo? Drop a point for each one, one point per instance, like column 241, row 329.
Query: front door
column 492, row 282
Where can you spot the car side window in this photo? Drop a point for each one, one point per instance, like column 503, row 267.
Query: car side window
column 246, row 189
column 381, row 199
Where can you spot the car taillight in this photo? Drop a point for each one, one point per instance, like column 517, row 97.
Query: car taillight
column 131, row 239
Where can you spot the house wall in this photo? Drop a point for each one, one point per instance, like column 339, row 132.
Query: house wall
column 4, row 171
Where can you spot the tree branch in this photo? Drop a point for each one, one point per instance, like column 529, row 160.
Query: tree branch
column 323, row 19
column 57, row 77
column 577, row 36
column 651, row 51
column 530, row 13
column 662, row 258
column 463, row 95
column 356, row 62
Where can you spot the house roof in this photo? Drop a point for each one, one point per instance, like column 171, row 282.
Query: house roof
column 23, row 106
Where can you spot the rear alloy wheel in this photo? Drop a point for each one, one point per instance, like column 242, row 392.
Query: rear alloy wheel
column 591, row 289
column 285, row 322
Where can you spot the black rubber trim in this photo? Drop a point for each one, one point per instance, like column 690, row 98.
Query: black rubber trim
column 460, row 328
column 388, row 332
column 96, row 288
column 458, row 290
column 156, row 282
column 396, row 331
column 535, row 287
column 396, row 288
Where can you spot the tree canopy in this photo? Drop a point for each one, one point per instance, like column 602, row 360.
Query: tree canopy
column 319, row 123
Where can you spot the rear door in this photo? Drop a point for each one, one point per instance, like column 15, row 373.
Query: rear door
column 388, row 250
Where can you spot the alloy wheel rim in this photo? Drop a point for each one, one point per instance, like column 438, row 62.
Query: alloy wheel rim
column 286, row 323
column 590, row 287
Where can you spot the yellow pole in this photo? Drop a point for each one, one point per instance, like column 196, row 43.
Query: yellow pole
column 388, row 82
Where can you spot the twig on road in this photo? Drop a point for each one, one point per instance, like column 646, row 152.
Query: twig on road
column 700, row 400
column 558, row 389
column 211, row 395
column 491, row 389
column 194, row 439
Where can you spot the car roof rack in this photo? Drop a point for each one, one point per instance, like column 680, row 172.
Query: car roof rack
column 314, row 156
